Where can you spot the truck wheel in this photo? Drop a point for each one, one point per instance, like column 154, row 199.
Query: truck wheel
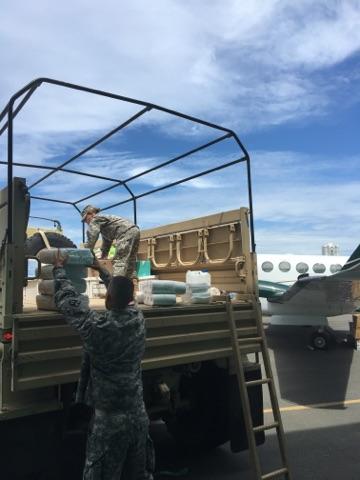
column 202, row 425
column 194, row 432
column 35, row 243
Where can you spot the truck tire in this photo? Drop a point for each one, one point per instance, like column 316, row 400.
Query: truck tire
column 202, row 425
column 35, row 243
column 195, row 431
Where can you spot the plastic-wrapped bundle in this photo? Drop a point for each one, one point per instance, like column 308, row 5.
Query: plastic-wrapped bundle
column 162, row 286
column 164, row 299
column 74, row 256
column 197, row 293
column 201, row 297
column 74, row 273
column 46, row 272
column 47, row 287
column 139, row 297
column 47, row 302
column 75, row 267
column 197, row 287
column 194, row 277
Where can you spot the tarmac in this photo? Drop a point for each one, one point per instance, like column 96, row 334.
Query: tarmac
column 319, row 398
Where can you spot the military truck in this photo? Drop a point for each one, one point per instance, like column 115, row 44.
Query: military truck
column 188, row 371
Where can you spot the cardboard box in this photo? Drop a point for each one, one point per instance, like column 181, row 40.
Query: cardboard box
column 104, row 263
column 355, row 326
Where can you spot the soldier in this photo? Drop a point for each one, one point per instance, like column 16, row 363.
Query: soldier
column 121, row 231
column 110, row 379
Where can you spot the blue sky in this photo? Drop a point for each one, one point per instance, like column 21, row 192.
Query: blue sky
column 284, row 75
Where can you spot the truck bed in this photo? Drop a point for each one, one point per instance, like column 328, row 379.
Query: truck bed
column 46, row 351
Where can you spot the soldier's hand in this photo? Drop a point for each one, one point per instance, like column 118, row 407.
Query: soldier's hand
column 96, row 264
column 60, row 258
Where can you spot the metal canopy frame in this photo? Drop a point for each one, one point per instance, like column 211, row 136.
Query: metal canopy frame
column 10, row 112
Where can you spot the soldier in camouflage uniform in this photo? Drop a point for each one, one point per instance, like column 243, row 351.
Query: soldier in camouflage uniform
column 120, row 231
column 118, row 445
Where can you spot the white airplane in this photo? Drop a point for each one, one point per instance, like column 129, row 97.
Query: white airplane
column 306, row 289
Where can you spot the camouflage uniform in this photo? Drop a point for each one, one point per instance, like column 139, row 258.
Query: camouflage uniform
column 111, row 383
column 124, row 234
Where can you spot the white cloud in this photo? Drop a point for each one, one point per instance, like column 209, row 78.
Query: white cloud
column 300, row 202
column 304, row 201
column 299, row 199
column 330, row 35
column 244, row 64
column 247, row 65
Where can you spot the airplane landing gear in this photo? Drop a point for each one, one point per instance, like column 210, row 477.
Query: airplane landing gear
column 323, row 338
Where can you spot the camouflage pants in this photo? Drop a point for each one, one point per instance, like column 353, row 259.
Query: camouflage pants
column 124, row 261
column 118, row 448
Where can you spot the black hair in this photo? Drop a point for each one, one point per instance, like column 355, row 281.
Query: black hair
column 121, row 292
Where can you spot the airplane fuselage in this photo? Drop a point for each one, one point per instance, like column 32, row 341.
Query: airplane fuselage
column 286, row 268
column 311, row 300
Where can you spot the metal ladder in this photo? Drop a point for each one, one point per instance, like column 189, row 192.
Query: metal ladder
column 259, row 341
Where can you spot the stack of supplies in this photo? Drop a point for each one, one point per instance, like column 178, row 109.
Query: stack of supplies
column 198, row 285
column 160, row 292
column 76, row 270
column 197, row 293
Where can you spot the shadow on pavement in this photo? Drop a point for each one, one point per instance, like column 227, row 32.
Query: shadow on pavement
column 308, row 376
column 322, row 453
column 327, row 453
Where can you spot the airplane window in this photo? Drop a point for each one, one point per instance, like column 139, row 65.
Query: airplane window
column 319, row 268
column 267, row 266
column 302, row 267
column 284, row 266
column 335, row 268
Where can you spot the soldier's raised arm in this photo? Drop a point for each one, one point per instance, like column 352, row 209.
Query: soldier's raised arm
column 73, row 305
column 104, row 273
column 92, row 234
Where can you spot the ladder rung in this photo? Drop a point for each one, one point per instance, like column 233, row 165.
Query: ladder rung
column 262, row 381
column 274, row 474
column 244, row 341
column 256, row 344
column 262, row 428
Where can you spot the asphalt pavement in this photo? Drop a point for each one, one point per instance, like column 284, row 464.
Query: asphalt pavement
column 319, row 397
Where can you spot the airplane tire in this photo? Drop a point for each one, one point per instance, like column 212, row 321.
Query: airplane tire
column 320, row 340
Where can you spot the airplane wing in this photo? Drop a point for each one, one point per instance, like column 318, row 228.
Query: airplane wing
column 327, row 296
column 331, row 295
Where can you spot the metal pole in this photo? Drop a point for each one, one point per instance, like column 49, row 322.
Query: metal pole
column 248, row 169
column 10, row 174
column 135, row 212
column 19, row 107
column 131, row 100
column 32, row 86
column 253, row 244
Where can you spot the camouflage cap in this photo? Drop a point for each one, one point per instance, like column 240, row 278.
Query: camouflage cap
column 88, row 209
